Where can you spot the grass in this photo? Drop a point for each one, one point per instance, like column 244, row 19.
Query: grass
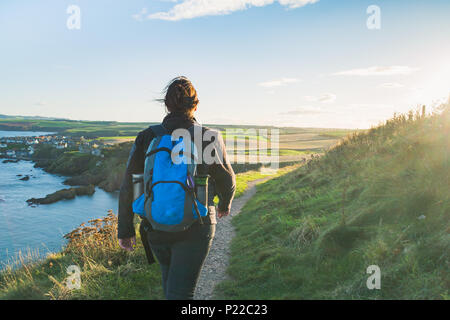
column 107, row 271
column 380, row 197
column 90, row 129
column 243, row 179
column 268, row 152
column 131, row 138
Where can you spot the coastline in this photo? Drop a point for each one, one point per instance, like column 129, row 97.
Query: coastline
column 36, row 230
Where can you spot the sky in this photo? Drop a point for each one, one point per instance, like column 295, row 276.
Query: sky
column 305, row 63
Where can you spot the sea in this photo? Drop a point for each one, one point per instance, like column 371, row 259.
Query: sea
column 39, row 229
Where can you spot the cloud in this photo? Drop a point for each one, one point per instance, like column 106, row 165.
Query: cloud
column 190, row 9
column 293, row 4
column 278, row 82
column 301, row 111
column 325, row 98
column 140, row 15
column 378, row 71
column 391, row 85
column 40, row 103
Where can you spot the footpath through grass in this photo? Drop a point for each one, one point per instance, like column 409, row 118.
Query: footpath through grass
column 380, row 197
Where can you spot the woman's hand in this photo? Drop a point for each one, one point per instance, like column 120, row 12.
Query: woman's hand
column 128, row 243
column 223, row 213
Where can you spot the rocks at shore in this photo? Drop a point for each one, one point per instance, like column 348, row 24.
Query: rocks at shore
column 109, row 183
column 85, row 179
column 69, row 193
column 26, row 178
column 10, row 161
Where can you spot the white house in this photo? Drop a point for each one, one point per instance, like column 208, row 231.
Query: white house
column 61, row 145
column 84, row 149
column 96, row 152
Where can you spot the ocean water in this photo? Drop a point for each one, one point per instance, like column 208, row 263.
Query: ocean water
column 23, row 133
column 41, row 228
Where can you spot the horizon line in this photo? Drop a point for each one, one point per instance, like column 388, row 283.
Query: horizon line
column 150, row 122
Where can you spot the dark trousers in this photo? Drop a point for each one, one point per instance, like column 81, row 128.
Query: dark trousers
column 181, row 257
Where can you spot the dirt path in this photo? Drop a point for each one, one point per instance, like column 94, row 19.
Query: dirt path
column 216, row 264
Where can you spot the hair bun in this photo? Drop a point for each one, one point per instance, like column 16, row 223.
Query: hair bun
column 181, row 96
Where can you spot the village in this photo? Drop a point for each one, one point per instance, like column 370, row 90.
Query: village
column 24, row 147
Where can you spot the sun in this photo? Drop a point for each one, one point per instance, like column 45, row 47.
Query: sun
column 435, row 88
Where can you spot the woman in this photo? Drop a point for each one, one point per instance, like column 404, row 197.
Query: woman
column 180, row 254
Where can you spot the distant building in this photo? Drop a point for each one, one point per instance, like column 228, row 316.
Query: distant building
column 61, row 145
column 22, row 154
column 84, row 149
column 32, row 141
column 96, row 152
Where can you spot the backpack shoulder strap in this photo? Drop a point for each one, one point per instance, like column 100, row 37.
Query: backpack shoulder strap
column 194, row 127
column 158, row 130
column 196, row 147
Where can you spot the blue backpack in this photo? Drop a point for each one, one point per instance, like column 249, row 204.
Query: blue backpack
column 169, row 202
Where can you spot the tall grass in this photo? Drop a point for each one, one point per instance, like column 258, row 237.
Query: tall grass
column 107, row 271
column 380, row 197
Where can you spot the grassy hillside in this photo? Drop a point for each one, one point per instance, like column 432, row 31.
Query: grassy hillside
column 380, row 197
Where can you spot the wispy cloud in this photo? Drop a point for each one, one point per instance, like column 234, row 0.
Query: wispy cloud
column 378, row 71
column 391, row 85
column 325, row 98
column 189, row 9
column 278, row 82
column 140, row 15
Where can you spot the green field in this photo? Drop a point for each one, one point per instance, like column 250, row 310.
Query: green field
column 89, row 129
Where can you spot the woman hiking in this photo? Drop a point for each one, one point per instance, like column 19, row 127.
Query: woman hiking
column 179, row 229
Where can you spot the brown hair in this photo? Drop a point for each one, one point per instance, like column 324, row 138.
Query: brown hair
column 180, row 96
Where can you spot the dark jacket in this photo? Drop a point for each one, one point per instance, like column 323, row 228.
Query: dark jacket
column 222, row 179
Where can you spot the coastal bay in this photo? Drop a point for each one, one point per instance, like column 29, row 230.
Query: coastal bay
column 41, row 227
